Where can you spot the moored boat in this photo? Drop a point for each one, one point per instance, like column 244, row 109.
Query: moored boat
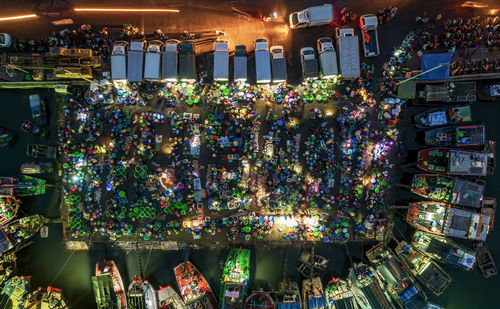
column 235, row 277
column 141, row 295
column 108, row 286
column 21, row 185
column 33, row 129
column 49, row 297
column 38, row 109
column 367, row 287
column 423, row 268
column 193, row 287
column 7, row 137
column 489, row 91
column 7, row 266
column 484, row 260
column 442, row 219
column 14, row 292
column 259, row 300
column 289, row 295
column 313, row 294
column 488, row 208
column 41, row 151
column 448, row 189
column 8, row 208
column 444, row 250
column 37, row 168
column 443, row 116
column 459, row 136
column 339, row 295
column 17, row 234
column 457, row 162
column 169, row 299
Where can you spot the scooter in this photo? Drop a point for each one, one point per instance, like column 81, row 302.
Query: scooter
column 422, row 19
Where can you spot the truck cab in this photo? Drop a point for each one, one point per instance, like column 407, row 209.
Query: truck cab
column 368, row 24
column 313, row 16
column 309, row 63
column 327, row 58
column 278, row 64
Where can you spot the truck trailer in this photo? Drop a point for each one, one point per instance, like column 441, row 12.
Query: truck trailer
column 152, row 61
column 169, row 61
column 262, row 61
column 327, row 58
column 221, row 61
column 187, row 62
column 278, row 64
column 119, row 61
column 135, row 61
column 348, row 49
column 240, row 63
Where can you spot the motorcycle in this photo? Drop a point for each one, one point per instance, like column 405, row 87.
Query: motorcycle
column 273, row 16
column 347, row 15
column 422, row 19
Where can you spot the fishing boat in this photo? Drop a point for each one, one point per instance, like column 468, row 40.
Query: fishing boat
column 448, row 189
column 38, row 110
column 14, row 292
column 33, row 129
column 457, row 162
column 21, row 185
column 169, row 299
column 339, row 295
column 141, row 295
column 49, row 297
column 194, row 288
column 313, row 293
column 289, row 295
column 7, row 266
column 405, row 292
column 308, row 261
column 37, row 168
column 41, row 151
column 444, row 250
column 8, row 208
column 108, row 286
column 484, row 260
column 7, row 137
column 423, row 268
column 259, row 300
column 459, row 136
column 235, row 277
column 367, row 287
column 442, row 219
column 488, row 208
column 17, row 234
column 443, row 116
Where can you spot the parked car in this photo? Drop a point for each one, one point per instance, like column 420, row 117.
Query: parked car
column 34, row 129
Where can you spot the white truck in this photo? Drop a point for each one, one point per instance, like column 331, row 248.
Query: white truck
column 348, row 49
column 135, row 61
column 119, row 61
column 221, row 61
column 278, row 64
column 309, row 63
column 169, row 61
column 368, row 24
column 327, row 58
column 240, row 63
column 313, row 16
column 187, row 62
column 152, row 61
column 262, row 61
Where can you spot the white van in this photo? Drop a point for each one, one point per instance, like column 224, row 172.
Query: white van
column 313, row 16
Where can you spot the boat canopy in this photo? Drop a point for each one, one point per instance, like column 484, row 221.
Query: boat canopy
column 288, row 305
column 468, row 163
column 317, row 302
column 5, row 243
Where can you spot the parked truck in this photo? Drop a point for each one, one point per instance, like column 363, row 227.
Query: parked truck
column 309, row 63
column 278, row 64
column 368, row 24
column 135, row 61
column 262, row 61
column 152, row 62
column 327, row 58
column 313, row 16
column 240, row 63
column 348, row 49
column 221, row 61
column 187, row 62
column 119, row 61
column 169, row 61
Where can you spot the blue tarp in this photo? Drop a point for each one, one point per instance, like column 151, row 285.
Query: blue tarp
column 318, row 302
column 430, row 61
column 288, row 305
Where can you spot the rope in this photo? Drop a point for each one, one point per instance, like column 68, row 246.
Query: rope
column 348, row 254
column 64, row 265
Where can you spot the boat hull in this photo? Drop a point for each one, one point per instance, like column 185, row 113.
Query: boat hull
column 187, row 275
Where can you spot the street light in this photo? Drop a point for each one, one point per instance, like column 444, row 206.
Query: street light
column 132, row 10
column 17, row 17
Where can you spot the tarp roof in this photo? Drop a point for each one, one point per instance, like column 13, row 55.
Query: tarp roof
column 288, row 305
column 430, row 61
column 317, row 302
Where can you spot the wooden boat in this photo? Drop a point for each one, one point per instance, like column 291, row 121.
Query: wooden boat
column 423, row 268
column 17, row 234
column 368, row 288
column 8, row 208
column 22, row 185
column 49, row 297
column 484, row 260
column 234, row 279
column 448, row 189
column 289, row 295
column 488, row 208
column 308, row 260
column 259, row 300
column 41, row 151
column 108, row 286
column 458, row 162
column 141, row 295
column 313, row 294
column 169, row 299
column 444, row 250
column 7, row 137
column 34, row 129
column 458, row 136
column 442, row 219
column 339, row 295
column 38, row 109
column 405, row 292
column 37, row 168
column 443, row 116
column 194, row 288
column 14, row 292
column 7, row 266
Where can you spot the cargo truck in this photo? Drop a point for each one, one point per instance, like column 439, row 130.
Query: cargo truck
column 119, row 61
column 152, row 61
column 240, row 63
column 313, row 16
column 135, row 61
column 278, row 64
column 368, row 24
column 187, row 62
column 169, row 61
column 327, row 58
column 348, row 49
column 309, row 63
column 221, row 61
column 262, row 61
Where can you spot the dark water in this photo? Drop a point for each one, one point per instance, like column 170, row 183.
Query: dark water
column 49, row 263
